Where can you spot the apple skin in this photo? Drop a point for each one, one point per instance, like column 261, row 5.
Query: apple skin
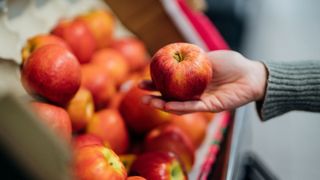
column 140, row 118
column 86, row 140
column 99, row 83
column 108, row 125
column 158, row 166
column 134, row 52
column 194, row 125
column 170, row 138
column 113, row 62
column 80, row 109
column 102, row 25
column 52, row 72
column 209, row 116
column 97, row 162
column 54, row 117
column 180, row 71
column 135, row 178
column 38, row 41
column 78, row 36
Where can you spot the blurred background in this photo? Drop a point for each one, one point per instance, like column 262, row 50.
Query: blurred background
column 277, row 30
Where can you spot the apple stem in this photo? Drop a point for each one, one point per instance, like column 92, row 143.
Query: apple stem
column 178, row 56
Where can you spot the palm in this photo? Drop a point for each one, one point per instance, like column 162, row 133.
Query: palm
column 236, row 81
column 232, row 83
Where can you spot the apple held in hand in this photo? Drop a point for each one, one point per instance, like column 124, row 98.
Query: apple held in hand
column 78, row 36
column 109, row 126
column 98, row 162
column 80, row 109
column 170, row 138
column 158, row 166
column 56, row 118
column 52, row 72
column 38, row 41
column 180, row 71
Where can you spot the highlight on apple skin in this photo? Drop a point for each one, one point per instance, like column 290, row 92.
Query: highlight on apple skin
column 52, row 72
column 180, row 71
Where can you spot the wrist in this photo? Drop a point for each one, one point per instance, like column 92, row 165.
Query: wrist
column 261, row 74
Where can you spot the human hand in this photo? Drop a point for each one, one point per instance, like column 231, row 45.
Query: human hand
column 236, row 81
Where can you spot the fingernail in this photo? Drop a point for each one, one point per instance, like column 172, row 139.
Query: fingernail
column 145, row 99
column 157, row 104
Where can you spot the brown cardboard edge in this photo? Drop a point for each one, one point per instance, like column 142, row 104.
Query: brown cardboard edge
column 148, row 20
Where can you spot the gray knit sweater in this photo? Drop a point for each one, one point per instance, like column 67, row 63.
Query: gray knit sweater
column 291, row 86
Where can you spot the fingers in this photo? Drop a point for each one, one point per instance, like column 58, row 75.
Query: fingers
column 154, row 101
column 185, row 107
column 175, row 107
column 147, row 85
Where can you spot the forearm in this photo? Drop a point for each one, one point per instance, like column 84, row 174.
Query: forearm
column 291, row 86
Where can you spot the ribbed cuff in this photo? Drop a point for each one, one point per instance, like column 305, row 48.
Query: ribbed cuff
column 291, row 86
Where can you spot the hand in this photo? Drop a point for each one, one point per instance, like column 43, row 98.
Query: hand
column 236, row 81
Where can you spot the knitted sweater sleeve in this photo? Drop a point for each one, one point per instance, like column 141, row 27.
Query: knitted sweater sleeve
column 291, row 86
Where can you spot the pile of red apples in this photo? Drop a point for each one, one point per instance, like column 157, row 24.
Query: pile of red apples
column 85, row 87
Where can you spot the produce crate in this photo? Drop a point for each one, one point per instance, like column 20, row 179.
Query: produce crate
column 155, row 22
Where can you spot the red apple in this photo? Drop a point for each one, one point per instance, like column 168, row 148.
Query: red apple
column 112, row 62
column 78, row 37
column 135, row 178
column 127, row 160
column 80, row 109
column 99, row 83
column 38, row 41
column 110, row 127
column 133, row 50
column 140, row 118
column 170, row 138
column 52, row 72
column 97, row 162
column 209, row 116
column 194, row 125
column 56, row 118
column 86, row 140
column 181, row 71
column 158, row 166
column 102, row 24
